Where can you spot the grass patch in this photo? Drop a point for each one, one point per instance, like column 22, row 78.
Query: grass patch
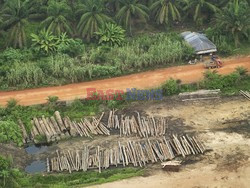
column 79, row 179
column 244, row 49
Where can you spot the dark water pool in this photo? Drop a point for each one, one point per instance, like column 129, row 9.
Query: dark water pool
column 33, row 149
column 36, row 166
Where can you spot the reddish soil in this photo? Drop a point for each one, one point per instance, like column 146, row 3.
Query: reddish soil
column 150, row 79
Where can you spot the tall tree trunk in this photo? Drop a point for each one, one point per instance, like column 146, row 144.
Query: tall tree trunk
column 236, row 40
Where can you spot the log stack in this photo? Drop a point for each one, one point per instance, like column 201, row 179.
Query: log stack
column 55, row 128
column 138, row 153
column 246, row 94
column 137, row 125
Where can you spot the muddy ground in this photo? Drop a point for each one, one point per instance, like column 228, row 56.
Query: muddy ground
column 222, row 124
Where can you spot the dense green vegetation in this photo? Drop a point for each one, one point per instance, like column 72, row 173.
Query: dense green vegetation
column 12, row 177
column 229, row 84
column 22, row 69
column 57, row 41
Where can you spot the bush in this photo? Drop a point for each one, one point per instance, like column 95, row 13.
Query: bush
column 170, row 87
column 111, row 35
column 242, row 71
column 10, row 56
column 223, row 41
column 52, row 99
column 73, row 48
column 11, row 103
column 212, row 80
column 99, row 71
column 10, row 131
column 8, row 175
column 25, row 74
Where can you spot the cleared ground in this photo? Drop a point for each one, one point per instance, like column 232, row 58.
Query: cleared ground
column 222, row 124
column 150, row 79
column 228, row 165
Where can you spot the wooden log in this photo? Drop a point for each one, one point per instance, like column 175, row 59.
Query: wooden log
column 48, row 167
column 121, row 156
column 152, row 152
column 196, row 150
column 46, row 133
column 25, row 137
column 57, row 127
column 178, row 145
column 72, row 128
column 99, row 160
column 51, row 125
column 60, row 123
column 190, row 147
column 38, row 127
column 47, row 126
column 77, row 128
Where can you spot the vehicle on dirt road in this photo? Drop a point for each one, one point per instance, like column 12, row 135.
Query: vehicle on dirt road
column 214, row 62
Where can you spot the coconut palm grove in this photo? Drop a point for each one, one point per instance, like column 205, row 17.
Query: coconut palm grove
column 49, row 43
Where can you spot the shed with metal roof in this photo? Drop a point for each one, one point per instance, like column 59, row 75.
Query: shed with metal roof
column 200, row 43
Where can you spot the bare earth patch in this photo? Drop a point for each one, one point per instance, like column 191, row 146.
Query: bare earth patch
column 227, row 165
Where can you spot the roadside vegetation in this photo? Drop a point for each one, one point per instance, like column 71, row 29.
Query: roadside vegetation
column 58, row 42
column 12, row 177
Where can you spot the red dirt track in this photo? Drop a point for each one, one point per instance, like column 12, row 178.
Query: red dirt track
column 144, row 80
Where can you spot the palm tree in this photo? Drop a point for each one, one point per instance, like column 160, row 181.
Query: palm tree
column 15, row 15
column 235, row 19
column 131, row 9
column 57, row 20
column 197, row 9
column 165, row 9
column 93, row 17
column 113, row 5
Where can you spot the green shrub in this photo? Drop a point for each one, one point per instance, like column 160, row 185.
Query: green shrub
column 111, row 35
column 25, row 74
column 12, row 103
column 242, row 71
column 99, row 71
column 170, row 87
column 222, row 40
column 52, row 99
column 73, row 48
column 10, row 131
column 212, row 80
column 10, row 56
column 8, row 174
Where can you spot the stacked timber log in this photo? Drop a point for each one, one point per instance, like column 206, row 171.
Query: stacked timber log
column 138, row 153
column 25, row 135
column 137, row 125
column 246, row 94
column 55, row 128
column 200, row 95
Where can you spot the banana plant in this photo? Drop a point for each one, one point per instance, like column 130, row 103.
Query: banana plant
column 45, row 41
column 111, row 35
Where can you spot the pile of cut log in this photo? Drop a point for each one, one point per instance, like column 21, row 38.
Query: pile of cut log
column 137, row 153
column 137, row 125
column 246, row 94
column 55, row 128
column 200, row 95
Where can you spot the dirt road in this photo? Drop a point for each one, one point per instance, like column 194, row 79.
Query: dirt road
column 150, row 79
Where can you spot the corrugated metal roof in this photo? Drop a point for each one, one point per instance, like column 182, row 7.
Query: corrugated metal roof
column 199, row 42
